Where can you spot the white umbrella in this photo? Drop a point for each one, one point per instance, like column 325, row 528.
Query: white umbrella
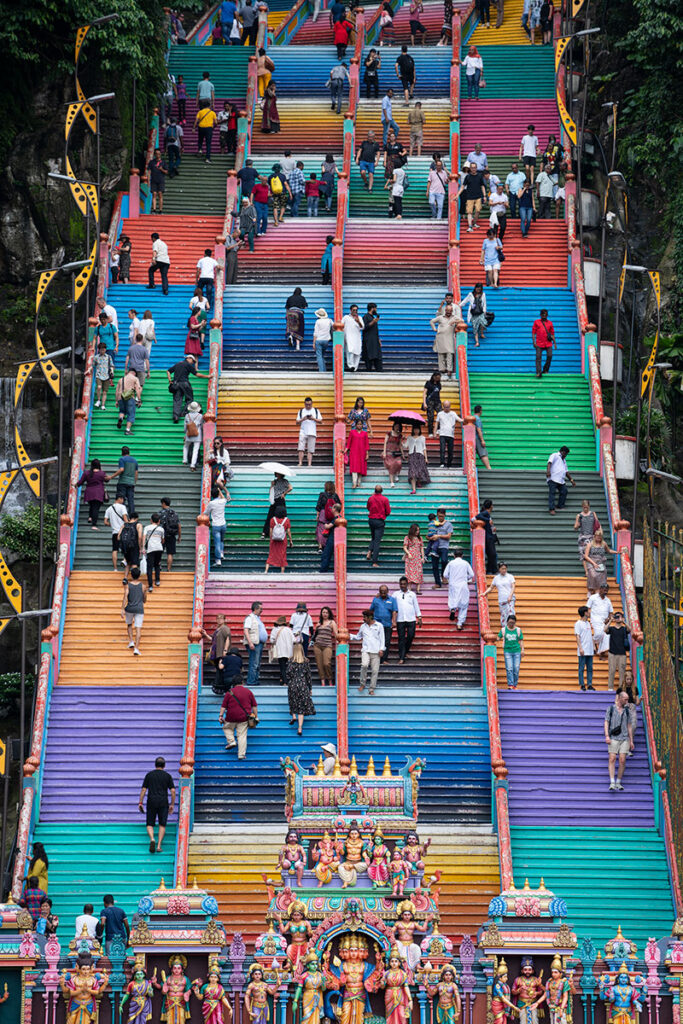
column 277, row 467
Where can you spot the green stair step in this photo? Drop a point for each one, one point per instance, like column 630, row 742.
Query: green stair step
column 200, row 187
column 226, row 64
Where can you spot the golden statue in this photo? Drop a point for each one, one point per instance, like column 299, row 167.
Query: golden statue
column 81, row 989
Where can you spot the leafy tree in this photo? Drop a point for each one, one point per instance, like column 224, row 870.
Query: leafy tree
column 21, row 534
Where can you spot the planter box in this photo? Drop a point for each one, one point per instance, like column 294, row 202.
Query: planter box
column 607, row 361
column 625, row 457
column 592, row 277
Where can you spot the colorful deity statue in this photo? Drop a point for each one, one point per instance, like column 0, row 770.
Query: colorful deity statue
column 325, row 859
column 528, row 990
column 256, row 995
column 398, row 1001
column 624, row 995
column 404, row 930
column 215, row 1006
column 399, row 871
column 176, row 988
column 309, row 990
column 557, row 992
column 350, row 853
column 354, row 977
column 353, row 793
column 449, row 1004
column 292, row 857
column 415, row 852
column 377, row 856
column 501, row 1004
column 139, row 991
column 81, row 989
column 299, row 928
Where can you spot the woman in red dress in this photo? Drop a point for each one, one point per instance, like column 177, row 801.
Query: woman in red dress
column 357, row 446
column 193, row 342
column 280, row 536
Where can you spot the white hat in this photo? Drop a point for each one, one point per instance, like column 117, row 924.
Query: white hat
column 321, row 312
column 194, row 407
column 329, row 748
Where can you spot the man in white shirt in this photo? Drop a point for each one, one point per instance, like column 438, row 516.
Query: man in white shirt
column 556, row 476
column 154, row 536
column 387, row 118
column 600, row 608
column 504, row 582
column 110, row 313
column 528, row 148
column 445, row 431
column 353, row 337
column 215, row 510
column 458, row 574
column 134, row 328
column 308, row 419
column 255, row 636
column 160, row 262
column 88, row 920
column 302, row 624
column 322, row 336
column 585, row 648
column 408, row 616
column 372, row 635
column 115, row 516
column 287, row 163
column 206, row 274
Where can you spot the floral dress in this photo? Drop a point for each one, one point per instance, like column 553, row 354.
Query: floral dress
column 413, row 560
column 299, row 687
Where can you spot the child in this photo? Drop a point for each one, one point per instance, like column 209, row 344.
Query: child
column 432, row 530
column 326, row 261
column 313, row 195
column 181, row 93
column 513, row 650
column 104, row 374
column 114, row 261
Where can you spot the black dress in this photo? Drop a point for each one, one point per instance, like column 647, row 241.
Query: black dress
column 299, row 687
column 372, row 352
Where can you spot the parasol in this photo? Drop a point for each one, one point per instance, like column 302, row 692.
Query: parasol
column 277, row 467
column 406, row 416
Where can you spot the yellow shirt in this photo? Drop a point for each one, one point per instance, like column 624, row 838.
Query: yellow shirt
column 40, row 871
column 206, row 118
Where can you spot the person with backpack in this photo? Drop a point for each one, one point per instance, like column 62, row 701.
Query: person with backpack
column 133, row 605
column 280, row 537
column 153, row 546
column 147, row 328
column 179, row 384
column 238, row 709
column 115, row 516
column 173, row 138
column 476, row 312
column 128, row 395
column 280, row 192
column 168, row 517
column 157, row 180
column 103, row 365
column 137, row 360
column 194, row 341
column 405, row 71
column 194, row 420
column 619, row 724
column 335, row 83
column 130, row 543
column 215, row 510
column 308, row 418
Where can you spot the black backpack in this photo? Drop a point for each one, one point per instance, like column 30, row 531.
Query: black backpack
column 170, row 521
column 129, row 538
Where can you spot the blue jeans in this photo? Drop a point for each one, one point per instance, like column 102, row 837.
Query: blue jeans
column 525, row 219
column 296, row 199
column 386, row 125
column 312, row 206
column 562, row 492
column 513, row 660
column 128, row 408
column 173, row 153
column 320, row 353
column 473, row 84
column 327, row 552
column 207, row 284
column 261, row 217
column 127, row 491
column 218, row 535
column 586, row 661
column 436, row 200
column 514, row 202
column 254, row 664
column 439, row 561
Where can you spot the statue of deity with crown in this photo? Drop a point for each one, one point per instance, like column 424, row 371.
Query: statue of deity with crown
column 377, row 857
column 398, row 1000
column 403, row 932
column 176, row 988
column 529, row 991
column 623, row 995
column 353, row 977
column 256, row 995
column 557, row 992
column 309, row 990
column 299, row 928
column 325, row 859
column 449, row 1003
column 501, row 1003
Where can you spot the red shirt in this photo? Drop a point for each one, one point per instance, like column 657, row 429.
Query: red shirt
column 543, row 333
column 313, row 188
column 238, row 704
column 342, row 30
column 378, row 507
column 260, row 193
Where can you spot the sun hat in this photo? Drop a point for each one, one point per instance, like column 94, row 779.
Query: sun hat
column 194, row 407
column 321, row 312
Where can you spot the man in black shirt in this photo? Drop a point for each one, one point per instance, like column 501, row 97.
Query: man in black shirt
column 619, row 647
column 405, row 70
column 179, row 384
column 372, row 346
column 248, row 177
column 474, row 188
column 365, row 158
column 157, row 785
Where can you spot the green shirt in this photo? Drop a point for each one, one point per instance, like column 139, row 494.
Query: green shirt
column 129, row 465
column 511, row 639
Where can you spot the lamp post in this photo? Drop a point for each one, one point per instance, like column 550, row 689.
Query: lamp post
column 95, row 102
column 72, row 268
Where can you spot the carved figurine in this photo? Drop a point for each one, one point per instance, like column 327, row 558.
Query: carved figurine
column 354, row 977
column 376, row 857
column 404, row 930
column 415, row 853
column 624, row 996
column 399, row 870
column 215, row 1006
column 310, row 988
column 350, row 852
column 176, row 988
column 529, row 991
column 299, row 929
column 139, row 991
column 325, row 859
column 501, row 1004
column 557, row 993
column 292, row 857
column 449, row 1004
column 80, row 989
column 398, row 1001
column 352, row 793
column 256, row 995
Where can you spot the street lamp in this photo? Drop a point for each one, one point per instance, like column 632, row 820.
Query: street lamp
column 95, row 101
column 616, row 180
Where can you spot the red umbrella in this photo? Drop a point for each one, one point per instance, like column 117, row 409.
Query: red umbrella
column 406, row 416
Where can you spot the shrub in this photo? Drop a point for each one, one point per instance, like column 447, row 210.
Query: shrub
column 21, row 533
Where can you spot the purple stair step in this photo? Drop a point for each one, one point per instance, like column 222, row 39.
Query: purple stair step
column 556, row 756
column 107, row 737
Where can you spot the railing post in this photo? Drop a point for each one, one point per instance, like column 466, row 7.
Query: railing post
column 340, row 548
column 134, row 193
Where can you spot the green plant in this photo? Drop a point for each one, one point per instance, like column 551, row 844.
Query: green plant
column 660, row 433
column 21, row 534
column 10, row 688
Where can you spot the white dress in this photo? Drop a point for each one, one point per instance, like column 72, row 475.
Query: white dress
column 353, row 340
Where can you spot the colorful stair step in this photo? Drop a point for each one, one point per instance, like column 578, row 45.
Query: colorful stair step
column 227, row 66
column 170, row 314
column 533, row 76
column 436, row 135
column 186, row 238
column 509, row 33
column 289, row 254
column 499, row 124
column 305, row 125
column 400, row 252
column 540, row 258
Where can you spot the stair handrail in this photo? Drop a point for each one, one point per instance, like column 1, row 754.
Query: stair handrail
column 262, row 31
column 294, row 19
column 454, row 154
column 198, row 28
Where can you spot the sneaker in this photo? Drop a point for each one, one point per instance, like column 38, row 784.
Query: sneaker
column 442, row 466
column 131, row 644
column 97, row 405
column 217, row 563
column 452, row 616
column 135, row 650
column 612, row 786
column 619, row 786
column 592, row 688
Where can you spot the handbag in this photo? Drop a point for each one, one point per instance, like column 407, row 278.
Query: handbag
column 252, row 716
column 490, row 317
column 143, row 565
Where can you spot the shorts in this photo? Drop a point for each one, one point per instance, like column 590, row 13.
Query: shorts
column 472, row 205
column 529, row 161
column 407, row 83
column 534, row 19
column 157, row 186
column 114, row 542
column 559, row 193
column 280, row 200
column 416, row 26
column 492, row 266
column 482, row 450
column 306, row 442
column 134, row 619
column 170, row 541
column 157, row 811
column 367, row 166
column 416, row 135
column 619, row 746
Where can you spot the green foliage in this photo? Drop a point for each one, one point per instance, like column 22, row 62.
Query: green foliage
column 10, row 688
column 21, row 534
column 660, row 433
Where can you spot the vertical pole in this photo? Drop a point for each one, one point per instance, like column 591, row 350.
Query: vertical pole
column 73, row 346
column 614, row 366
column 22, row 707
column 636, row 468
column 60, row 443
column 133, row 162
column 99, row 166
column 602, row 264
column 40, row 543
column 5, row 804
